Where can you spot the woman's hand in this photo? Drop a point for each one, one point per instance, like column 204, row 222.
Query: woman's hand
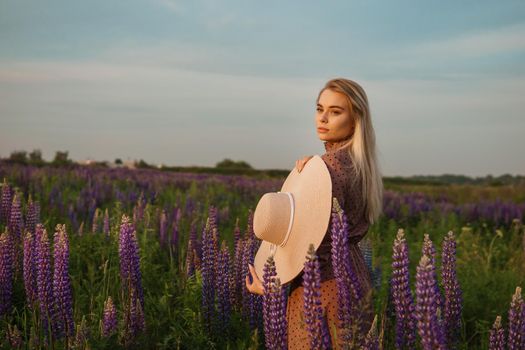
column 256, row 286
column 299, row 164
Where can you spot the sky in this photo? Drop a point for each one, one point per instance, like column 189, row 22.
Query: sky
column 194, row 82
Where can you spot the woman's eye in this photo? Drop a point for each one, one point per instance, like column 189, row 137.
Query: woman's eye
column 336, row 112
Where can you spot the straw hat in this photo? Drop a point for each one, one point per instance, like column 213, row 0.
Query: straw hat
column 289, row 220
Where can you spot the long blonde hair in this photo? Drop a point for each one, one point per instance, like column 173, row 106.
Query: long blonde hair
column 362, row 145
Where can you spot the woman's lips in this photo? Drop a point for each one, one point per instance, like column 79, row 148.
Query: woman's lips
column 322, row 130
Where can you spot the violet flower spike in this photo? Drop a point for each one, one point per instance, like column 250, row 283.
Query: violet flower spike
column 62, row 284
column 453, row 295
column 44, row 280
column 29, row 266
column 6, row 273
column 313, row 310
column 402, row 295
column 516, row 338
column 109, row 319
column 429, row 328
column 497, row 336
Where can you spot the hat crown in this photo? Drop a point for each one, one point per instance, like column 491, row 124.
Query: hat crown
column 273, row 217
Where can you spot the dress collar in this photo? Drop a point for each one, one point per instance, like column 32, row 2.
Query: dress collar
column 331, row 146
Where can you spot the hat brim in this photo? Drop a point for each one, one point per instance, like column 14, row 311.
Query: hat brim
column 312, row 192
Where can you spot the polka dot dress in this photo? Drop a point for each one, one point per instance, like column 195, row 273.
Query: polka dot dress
column 349, row 195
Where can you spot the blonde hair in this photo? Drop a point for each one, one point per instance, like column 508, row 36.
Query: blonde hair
column 362, row 145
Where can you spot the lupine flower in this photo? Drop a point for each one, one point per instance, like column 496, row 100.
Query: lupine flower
column 274, row 302
column 313, row 310
column 30, row 269
column 429, row 328
column 15, row 227
column 6, row 272
column 237, row 264
column 223, row 290
column 349, row 292
column 14, row 337
column 7, row 200
column 190, row 262
column 497, row 336
column 82, row 334
column 131, row 277
column 44, row 282
column 516, row 339
column 453, row 297
column 96, row 214
column 109, row 320
column 269, row 274
column 429, row 250
column 402, row 295
column 279, row 324
column 163, row 226
column 81, row 229
column 208, row 276
column 106, row 223
column 174, row 241
column 62, row 284
column 371, row 339
column 33, row 215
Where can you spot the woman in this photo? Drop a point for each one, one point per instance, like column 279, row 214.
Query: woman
column 344, row 123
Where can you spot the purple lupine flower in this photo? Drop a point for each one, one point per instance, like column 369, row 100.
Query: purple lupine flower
column 279, row 324
column 44, row 279
column 14, row 337
column 15, row 227
column 497, row 336
column 516, row 338
column 429, row 328
column 82, row 334
column 249, row 225
column 237, row 265
column 131, row 277
column 402, row 295
column 16, row 224
column 208, row 276
column 274, row 303
column 269, row 274
column 106, row 223
column 109, row 319
column 174, row 241
column 7, row 200
column 223, row 290
column 213, row 219
column 6, row 272
column 190, row 260
column 256, row 319
column 163, row 227
column 372, row 340
column 62, row 293
column 33, row 215
column 251, row 303
column 30, row 271
column 94, row 227
column 313, row 310
column 429, row 250
column 453, row 295
column 349, row 292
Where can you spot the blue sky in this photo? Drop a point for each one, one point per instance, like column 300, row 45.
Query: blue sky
column 194, row 82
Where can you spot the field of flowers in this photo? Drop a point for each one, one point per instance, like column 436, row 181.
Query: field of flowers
column 94, row 258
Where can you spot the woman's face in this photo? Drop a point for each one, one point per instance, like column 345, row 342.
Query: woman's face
column 333, row 114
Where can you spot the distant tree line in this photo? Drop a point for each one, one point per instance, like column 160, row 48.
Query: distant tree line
column 231, row 167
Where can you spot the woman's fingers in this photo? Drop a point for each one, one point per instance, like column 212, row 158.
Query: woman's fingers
column 256, row 285
column 299, row 164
